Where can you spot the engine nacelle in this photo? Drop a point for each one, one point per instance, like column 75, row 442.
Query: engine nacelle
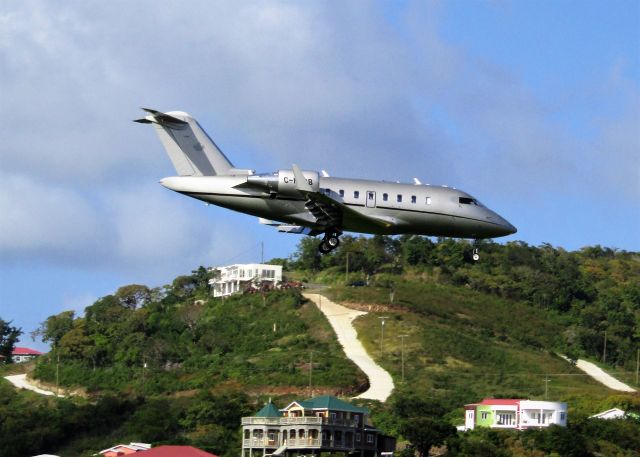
column 283, row 182
column 287, row 181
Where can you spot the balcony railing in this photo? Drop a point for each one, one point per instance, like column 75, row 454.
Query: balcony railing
column 291, row 443
column 298, row 421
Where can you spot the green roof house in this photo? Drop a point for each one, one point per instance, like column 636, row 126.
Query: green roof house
column 312, row 426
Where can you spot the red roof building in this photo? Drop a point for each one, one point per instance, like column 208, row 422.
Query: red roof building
column 21, row 354
column 175, row 451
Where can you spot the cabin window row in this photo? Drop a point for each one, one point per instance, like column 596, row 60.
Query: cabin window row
column 414, row 199
column 385, row 196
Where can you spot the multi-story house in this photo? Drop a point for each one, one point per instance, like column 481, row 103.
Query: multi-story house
column 320, row 424
column 514, row 413
column 236, row 278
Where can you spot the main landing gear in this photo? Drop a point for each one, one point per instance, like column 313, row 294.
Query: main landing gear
column 330, row 241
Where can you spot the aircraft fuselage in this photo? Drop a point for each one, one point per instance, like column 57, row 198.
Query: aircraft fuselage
column 410, row 209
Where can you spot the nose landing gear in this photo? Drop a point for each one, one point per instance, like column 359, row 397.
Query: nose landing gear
column 475, row 255
column 330, row 241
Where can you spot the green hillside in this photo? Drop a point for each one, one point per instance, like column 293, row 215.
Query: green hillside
column 462, row 346
column 174, row 365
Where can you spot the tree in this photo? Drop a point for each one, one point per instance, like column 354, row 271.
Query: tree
column 133, row 295
column 8, row 337
column 307, row 256
column 425, row 432
column 54, row 328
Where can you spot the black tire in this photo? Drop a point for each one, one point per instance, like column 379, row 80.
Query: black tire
column 324, row 247
column 333, row 242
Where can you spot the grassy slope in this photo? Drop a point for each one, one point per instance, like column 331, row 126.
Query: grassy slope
column 463, row 346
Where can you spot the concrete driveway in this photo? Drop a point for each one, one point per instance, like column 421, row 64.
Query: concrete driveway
column 341, row 318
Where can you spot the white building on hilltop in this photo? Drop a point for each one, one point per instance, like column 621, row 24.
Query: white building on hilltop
column 239, row 277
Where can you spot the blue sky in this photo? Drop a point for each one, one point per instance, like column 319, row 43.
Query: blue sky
column 531, row 106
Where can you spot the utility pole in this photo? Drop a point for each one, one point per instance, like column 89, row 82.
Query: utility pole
column 310, row 372
column 347, row 270
column 382, row 319
column 144, row 368
column 402, row 337
column 57, row 373
column 546, row 386
column 604, row 352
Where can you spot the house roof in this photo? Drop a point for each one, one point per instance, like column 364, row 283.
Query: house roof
column 613, row 413
column 25, row 351
column 175, row 451
column 131, row 446
column 498, row 401
column 330, row 403
column 269, row 410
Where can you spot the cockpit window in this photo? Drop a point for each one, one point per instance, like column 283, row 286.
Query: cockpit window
column 467, row 201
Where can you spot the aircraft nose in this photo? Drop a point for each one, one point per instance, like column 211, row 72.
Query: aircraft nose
column 508, row 228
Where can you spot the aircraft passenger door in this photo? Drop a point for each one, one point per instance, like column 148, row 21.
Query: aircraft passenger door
column 371, row 199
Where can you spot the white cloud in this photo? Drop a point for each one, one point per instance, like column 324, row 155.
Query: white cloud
column 44, row 221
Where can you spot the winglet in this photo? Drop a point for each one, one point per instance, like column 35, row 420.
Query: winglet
column 301, row 182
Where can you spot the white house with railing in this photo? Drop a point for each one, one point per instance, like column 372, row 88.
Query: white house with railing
column 514, row 413
column 237, row 278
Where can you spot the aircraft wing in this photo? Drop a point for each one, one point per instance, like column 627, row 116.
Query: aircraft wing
column 332, row 213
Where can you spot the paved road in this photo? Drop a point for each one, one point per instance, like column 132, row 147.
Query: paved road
column 21, row 382
column 341, row 318
column 601, row 376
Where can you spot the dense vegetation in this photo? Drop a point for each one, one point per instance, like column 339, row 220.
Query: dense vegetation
column 179, row 338
column 174, row 365
column 589, row 292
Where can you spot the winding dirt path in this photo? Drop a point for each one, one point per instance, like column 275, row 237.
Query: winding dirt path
column 341, row 318
column 21, row 382
column 601, row 376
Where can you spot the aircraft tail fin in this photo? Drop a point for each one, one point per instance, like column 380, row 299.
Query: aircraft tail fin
column 189, row 147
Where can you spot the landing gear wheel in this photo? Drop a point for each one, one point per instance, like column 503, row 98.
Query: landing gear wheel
column 475, row 256
column 330, row 241
column 324, row 248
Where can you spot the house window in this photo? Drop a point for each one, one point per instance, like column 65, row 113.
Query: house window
column 413, row 199
column 341, row 192
column 358, row 437
column 399, row 198
column 356, row 194
column 484, row 415
column 385, row 197
column 369, row 438
column 428, row 200
column 562, row 416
